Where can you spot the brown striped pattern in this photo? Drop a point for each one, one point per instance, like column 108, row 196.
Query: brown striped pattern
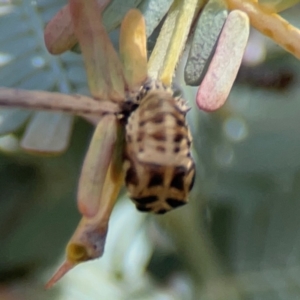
column 159, row 168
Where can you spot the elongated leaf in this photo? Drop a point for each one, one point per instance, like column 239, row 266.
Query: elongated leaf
column 104, row 70
column 133, row 49
column 153, row 12
column 222, row 71
column 171, row 40
column 11, row 120
column 208, row 28
column 95, row 166
column 270, row 24
column 55, row 136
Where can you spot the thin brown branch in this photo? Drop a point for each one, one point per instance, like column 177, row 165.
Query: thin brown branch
column 40, row 100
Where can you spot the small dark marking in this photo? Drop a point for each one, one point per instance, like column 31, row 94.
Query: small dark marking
column 176, row 149
column 161, row 211
column 156, row 179
column 175, row 202
column 159, row 136
column 160, row 148
column 180, row 169
column 159, row 118
column 180, row 122
column 145, row 200
column 86, row 111
column 131, row 176
column 143, row 208
column 178, row 137
column 134, row 106
column 141, row 149
column 154, row 166
column 140, row 136
column 177, row 181
column 128, row 139
column 142, row 123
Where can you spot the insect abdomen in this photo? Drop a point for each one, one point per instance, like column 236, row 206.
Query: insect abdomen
column 159, row 167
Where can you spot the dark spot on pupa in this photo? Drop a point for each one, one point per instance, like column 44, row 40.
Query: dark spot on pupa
column 131, row 176
column 160, row 148
column 175, row 202
column 176, row 149
column 180, row 169
column 141, row 149
column 156, row 179
column 180, row 122
column 140, row 136
column 159, row 118
column 145, row 200
column 143, row 208
column 177, row 181
column 142, row 123
column 178, row 137
column 159, row 136
column 161, row 211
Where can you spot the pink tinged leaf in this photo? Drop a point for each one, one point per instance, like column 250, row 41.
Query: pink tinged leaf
column 270, row 24
column 40, row 100
column 48, row 133
column 59, row 33
column 103, row 67
column 205, row 37
column 133, row 48
column 95, row 166
column 225, row 64
column 88, row 241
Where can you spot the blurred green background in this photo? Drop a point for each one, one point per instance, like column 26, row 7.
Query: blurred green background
column 238, row 238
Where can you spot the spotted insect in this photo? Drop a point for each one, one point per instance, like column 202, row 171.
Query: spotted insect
column 124, row 106
column 159, row 168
